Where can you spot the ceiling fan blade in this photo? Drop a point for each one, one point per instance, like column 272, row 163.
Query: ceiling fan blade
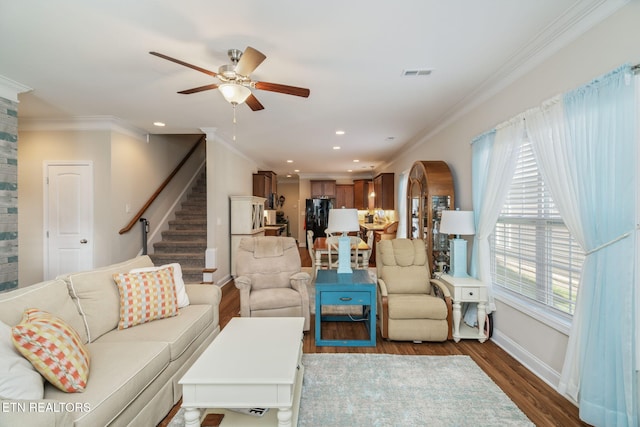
column 177, row 61
column 253, row 103
column 289, row 90
column 249, row 61
column 198, row 89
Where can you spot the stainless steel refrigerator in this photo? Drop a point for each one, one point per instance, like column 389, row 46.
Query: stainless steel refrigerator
column 317, row 216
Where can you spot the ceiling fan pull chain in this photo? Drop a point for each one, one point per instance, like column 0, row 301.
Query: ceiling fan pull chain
column 234, row 122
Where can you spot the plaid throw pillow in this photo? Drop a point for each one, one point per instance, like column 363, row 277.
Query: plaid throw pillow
column 53, row 348
column 146, row 296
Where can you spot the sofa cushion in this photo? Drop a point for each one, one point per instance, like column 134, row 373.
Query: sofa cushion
column 402, row 252
column 146, row 296
column 178, row 332
column 51, row 296
column 119, row 373
column 54, row 349
column 267, row 299
column 96, row 295
column 268, row 272
column 181, row 293
column 18, row 378
column 402, row 264
column 406, row 280
column 413, row 306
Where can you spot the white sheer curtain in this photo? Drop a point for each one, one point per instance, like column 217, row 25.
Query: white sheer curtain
column 585, row 146
column 493, row 162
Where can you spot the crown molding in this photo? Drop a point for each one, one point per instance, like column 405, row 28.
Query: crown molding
column 10, row 89
column 577, row 20
column 82, row 123
column 213, row 135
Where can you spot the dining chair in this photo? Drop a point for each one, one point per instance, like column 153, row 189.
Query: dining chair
column 332, row 247
column 366, row 255
column 312, row 253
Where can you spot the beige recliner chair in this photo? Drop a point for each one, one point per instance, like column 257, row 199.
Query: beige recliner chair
column 270, row 279
column 411, row 305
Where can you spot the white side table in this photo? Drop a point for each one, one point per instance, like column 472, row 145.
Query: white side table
column 467, row 289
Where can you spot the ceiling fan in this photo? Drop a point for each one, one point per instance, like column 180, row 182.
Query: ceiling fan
column 235, row 81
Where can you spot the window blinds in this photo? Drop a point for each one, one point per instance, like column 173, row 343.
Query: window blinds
column 534, row 254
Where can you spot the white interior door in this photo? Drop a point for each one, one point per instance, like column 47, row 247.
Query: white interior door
column 68, row 218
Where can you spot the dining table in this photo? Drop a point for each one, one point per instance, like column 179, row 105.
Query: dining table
column 320, row 249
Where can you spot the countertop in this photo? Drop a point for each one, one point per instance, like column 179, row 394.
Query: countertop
column 275, row 227
column 374, row 226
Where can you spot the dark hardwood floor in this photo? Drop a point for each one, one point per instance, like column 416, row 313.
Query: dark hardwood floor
column 541, row 403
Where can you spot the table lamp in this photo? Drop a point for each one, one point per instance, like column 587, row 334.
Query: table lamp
column 458, row 223
column 343, row 221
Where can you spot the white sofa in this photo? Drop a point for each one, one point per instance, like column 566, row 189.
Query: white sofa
column 134, row 372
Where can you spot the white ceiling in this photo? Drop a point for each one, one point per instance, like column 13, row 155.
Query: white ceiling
column 88, row 58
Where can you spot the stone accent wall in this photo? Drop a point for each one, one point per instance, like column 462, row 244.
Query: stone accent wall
column 8, row 194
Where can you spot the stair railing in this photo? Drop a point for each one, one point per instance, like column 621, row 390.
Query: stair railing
column 162, row 186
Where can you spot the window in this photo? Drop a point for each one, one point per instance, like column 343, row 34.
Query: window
column 533, row 253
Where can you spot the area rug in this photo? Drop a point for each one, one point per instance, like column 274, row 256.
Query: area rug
column 390, row 390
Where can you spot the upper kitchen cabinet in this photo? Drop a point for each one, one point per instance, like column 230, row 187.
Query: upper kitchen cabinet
column 344, row 196
column 265, row 184
column 384, row 187
column 361, row 193
column 429, row 192
column 324, row 189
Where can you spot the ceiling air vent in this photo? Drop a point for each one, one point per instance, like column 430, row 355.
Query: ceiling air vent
column 416, row 73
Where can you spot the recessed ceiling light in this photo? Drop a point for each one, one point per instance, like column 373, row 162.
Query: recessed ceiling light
column 356, row 161
column 349, row 170
column 337, row 147
column 296, row 170
column 159, row 124
column 289, row 161
column 339, row 132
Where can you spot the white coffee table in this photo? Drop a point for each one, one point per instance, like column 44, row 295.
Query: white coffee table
column 253, row 363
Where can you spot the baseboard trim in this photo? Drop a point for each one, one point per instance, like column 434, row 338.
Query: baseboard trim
column 529, row 361
column 225, row 280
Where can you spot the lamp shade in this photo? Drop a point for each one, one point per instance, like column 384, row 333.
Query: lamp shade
column 457, row 222
column 234, row 93
column 343, row 220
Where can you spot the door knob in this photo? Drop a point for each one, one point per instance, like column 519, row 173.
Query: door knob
column 83, row 241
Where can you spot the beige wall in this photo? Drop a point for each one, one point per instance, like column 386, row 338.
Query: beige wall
column 35, row 148
column 127, row 170
column 604, row 47
column 138, row 169
column 229, row 173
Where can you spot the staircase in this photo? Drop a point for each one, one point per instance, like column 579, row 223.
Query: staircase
column 186, row 240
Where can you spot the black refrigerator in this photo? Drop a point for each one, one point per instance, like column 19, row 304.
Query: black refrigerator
column 317, row 216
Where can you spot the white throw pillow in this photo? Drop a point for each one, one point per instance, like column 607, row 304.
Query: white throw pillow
column 18, row 377
column 181, row 293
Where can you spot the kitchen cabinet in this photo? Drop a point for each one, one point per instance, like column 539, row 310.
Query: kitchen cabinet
column 265, row 184
column 247, row 220
column 344, row 196
column 361, row 193
column 325, row 189
column 384, row 187
column 429, row 192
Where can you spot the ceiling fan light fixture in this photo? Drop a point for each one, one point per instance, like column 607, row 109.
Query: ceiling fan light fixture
column 234, row 93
